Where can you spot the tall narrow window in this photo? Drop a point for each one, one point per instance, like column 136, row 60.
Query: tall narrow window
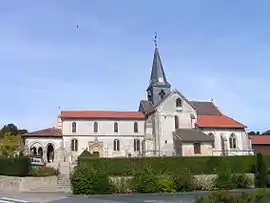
column 95, row 127
column 115, row 127
column 135, row 127
column 116, row 145
column 178, row 102
column 74, row 127
column 74, row 145
column 176, row 122
column 197, row 148
column 136, row 145
column 232, row 141
column 213, row 137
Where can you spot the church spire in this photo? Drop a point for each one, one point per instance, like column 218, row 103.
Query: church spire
column 158, row 84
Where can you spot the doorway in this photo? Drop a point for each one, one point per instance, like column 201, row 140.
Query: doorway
column 50, row 153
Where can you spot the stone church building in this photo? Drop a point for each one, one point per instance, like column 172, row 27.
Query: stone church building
column 166, row 124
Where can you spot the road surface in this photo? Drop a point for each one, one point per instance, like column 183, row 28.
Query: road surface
column 134, row 198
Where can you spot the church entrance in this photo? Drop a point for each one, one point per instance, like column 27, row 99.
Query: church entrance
column 50, row 153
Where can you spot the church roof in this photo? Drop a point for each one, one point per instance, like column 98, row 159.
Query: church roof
column 218, row 121
column 158, row 77
column 205, row 108
column 103, row 114
column 192, row 135
column 260, row 139
column 48, row 132
column 147, row 106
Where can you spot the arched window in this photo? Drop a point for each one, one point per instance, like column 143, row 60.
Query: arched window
column 178, row 102
column 33, row 151
column 40, row 151
column 74, row 145
column 232, row 141
column 136, row 145
column 115, row 127
column 135, row 127
column 95, row 127
column 213, row 137
column 176, row 122
column 116, row 145
column 74, row 127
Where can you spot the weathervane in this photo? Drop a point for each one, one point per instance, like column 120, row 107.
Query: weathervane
column 155, row 39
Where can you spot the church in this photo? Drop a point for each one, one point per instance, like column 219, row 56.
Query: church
column 166, row 124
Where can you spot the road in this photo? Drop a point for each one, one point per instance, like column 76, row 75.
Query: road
column 134, row 198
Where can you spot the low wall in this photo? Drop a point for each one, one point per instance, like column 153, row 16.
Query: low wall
column 28, row 184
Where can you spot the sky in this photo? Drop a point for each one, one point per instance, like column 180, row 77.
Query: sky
column 210, row 49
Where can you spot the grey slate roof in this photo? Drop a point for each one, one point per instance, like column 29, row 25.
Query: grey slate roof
column 192, row 135
column 146, row 107
column 205, row 108
column 158, row 72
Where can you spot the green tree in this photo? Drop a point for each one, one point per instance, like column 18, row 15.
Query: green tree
column 12, row 129
column 261, row 175
column 10, row 144
column 266, row 132
column 254, row 133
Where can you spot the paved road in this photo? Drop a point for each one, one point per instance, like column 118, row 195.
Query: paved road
column 135, row 198
column 61, row 198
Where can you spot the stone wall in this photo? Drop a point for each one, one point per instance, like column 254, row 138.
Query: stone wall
column 28, row 184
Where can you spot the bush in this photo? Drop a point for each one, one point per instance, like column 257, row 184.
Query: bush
column 89, row 181
column 43, row 171
column 261, row 176
column 16, row 166
column 86, row 154
column 227, row 197
column 229, row 180
column 184, row 182
column 171, row 165
column 241, row 181
column 148, row 181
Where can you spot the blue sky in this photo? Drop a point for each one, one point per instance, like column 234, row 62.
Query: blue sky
column 210, row 49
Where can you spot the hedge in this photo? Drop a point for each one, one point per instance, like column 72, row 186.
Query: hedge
column 18, row 166
column 172, row 165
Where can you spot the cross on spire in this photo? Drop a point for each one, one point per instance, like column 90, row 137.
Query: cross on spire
column 155, row 39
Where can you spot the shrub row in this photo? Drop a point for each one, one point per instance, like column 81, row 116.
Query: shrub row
column 21, row 166
column 15, row 166
column 262, row 196
column 87, row 181
column 172, row 165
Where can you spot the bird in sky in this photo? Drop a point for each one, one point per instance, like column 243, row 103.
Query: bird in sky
column 77, row 26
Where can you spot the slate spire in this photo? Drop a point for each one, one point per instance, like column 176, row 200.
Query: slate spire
column 158, row 77
column 158, row 84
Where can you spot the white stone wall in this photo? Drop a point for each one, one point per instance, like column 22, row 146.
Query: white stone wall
column 126, row 145
column 165, row 123
column 188, row 149
column 243, row 144
column 105, row 127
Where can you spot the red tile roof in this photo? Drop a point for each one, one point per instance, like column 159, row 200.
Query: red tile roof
column 103, row 114
column 260, row 139
column 48, row 132
column 218, row 121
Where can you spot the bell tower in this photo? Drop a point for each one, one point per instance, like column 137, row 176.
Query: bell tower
column 158, row 87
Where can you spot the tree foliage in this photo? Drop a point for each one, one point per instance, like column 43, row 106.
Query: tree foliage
column 12, row 130
column 10, row 144
column 254, row 133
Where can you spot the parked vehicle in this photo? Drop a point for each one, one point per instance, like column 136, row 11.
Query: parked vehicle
column 37, row 161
